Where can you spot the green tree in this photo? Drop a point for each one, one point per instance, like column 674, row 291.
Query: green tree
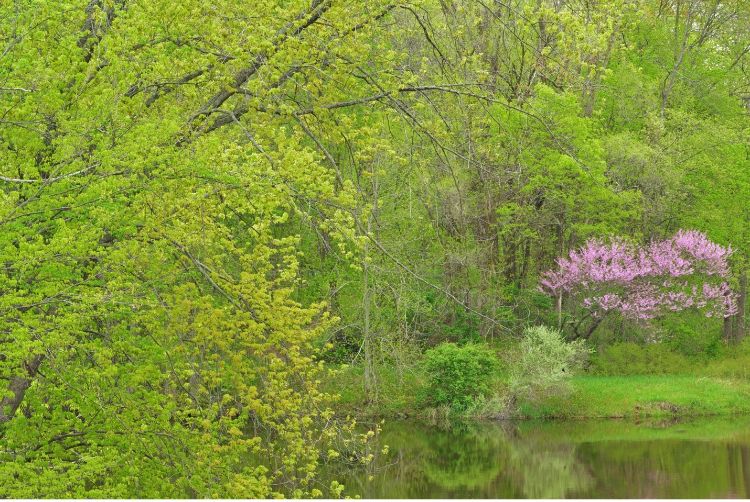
column 153, row 156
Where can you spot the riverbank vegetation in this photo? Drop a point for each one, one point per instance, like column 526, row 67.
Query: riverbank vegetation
column 226, row 225
column 684, row 387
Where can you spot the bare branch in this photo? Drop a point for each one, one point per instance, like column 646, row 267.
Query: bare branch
column 47, row 181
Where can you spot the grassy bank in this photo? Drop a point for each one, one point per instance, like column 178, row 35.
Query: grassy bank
column 646, row 396
column 590, row 397
column 696, row 428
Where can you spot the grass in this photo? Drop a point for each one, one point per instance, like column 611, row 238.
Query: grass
column 644, row 396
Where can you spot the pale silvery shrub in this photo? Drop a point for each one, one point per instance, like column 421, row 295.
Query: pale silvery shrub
column 545, row 363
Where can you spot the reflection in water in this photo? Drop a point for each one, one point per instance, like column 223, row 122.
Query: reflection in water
column 602, row 459
column 548, row 472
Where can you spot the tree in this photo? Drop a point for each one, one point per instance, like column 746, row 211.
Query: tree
column 670, row 275
column 154, row 157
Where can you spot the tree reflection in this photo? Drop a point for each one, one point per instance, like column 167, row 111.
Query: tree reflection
column 561, row 459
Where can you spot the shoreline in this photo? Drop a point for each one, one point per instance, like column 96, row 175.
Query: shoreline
column 592, row 397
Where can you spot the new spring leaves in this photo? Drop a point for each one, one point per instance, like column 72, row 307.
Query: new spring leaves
column 643, row 282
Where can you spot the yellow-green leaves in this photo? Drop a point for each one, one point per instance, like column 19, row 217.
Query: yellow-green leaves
column 155, row 174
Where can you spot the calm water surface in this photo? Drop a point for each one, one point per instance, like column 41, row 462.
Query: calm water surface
column 581, row 459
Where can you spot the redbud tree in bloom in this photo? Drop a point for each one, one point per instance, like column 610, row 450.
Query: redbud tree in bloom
column 642, row 282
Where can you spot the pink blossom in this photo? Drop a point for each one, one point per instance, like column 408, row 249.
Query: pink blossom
column 647, row 281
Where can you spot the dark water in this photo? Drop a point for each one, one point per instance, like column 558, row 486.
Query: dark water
column 583, row 459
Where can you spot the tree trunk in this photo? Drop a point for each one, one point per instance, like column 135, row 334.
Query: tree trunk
column 371, row 383
column 595, row 323
column 739, row 323
column 680, row 48
column 590, row 86
column 745, row 455
column 728, row 332
column 593, row 327
column 510, row 259
column 18, row 386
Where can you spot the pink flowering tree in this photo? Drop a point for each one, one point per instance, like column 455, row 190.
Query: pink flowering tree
column 683, row 272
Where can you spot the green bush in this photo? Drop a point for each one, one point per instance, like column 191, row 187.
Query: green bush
column 457, row 375
column 733, row 367
column 733, row 363
column 692, row 334
column 464, row 328
column 544, row 363
column 632, row 359
column 343, row 348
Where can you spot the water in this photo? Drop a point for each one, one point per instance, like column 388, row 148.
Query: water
column 576, row 459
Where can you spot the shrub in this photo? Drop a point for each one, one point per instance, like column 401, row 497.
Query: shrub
column 633, row 359
column 544, row 363
column 692, row 335
column 464, row 328
column 456, row 375
column 733, row 368
column 342, row 347
column 734, row 363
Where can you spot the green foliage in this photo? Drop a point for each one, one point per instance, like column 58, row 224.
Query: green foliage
column 154, row 181
column 399, row 390
column 463, row 329
column 732, row 368
column 342, row 346
column 457, row 375
column 693, row 335
column 188, row 208
column 734, row 362
column 544, row 364
column 629, row 358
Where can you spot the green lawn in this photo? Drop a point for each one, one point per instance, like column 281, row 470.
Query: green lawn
column 634, row 396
